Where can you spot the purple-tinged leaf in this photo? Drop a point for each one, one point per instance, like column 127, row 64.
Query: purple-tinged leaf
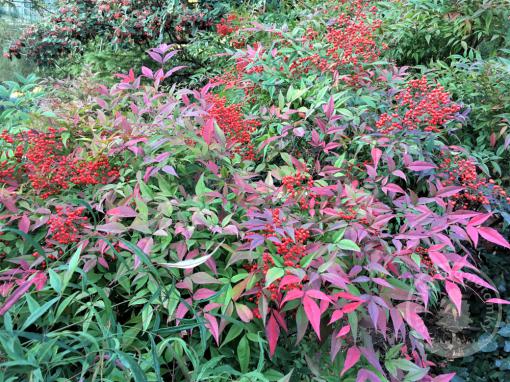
column 448, row 191
column 123, row 212
column 24, row 224
column 421, row 166
column 409, row 312
column 114, row 227
column 170, row 170
column 367, row 375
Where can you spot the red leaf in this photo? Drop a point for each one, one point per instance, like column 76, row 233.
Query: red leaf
column 208, row 131
column 292, row 295
column 351, row 307
column 313, row 313
column 353, row 355
column 272, row 334
column 490, row 234
column 455, row 295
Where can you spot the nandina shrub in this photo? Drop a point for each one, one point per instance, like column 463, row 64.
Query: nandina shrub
column 318, row 255
column 120, row 22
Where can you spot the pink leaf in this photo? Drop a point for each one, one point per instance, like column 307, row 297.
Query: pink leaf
column 272, row 334
column 123, row 212
column 203, row 294
column 292, row 295
column 448, row 191
column 393, row 188
column 498, row 301
column 444, row 377
column 244, row 313
column 351, row 359
column 18, row 293
column 455, row 295
column 111, row 228
column 212, row 325
column 473, row 234
column 409, row 313
column 313, row 313
column 490, row 234
column 346, row 329
column 147, row 72
column 421, row 166
column 317, row 294
column 24, row 224
column 376, row 156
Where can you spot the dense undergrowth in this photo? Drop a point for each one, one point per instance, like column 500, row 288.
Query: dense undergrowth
column 297, row 206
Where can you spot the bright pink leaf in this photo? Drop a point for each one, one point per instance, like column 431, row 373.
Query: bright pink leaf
column 455, row 295
column 490, row 234
column 351, row 359
column 346, row 329
column 498, row 301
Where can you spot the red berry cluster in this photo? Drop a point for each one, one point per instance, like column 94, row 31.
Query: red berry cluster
column 65, row 226
column 419, row 106
column 292, row 250
column 298, row 187
column 425, row 258
column 42, row 160
column 238, row 130
column 463, row 172
column 351, row 43
column 226, row 25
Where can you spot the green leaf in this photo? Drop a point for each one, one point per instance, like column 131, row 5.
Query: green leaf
column 243, row 354
column 130, row 363
column 274, row 274
column 348, row 245
column 38, row 313
column 55, row 281
column 71, row 267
